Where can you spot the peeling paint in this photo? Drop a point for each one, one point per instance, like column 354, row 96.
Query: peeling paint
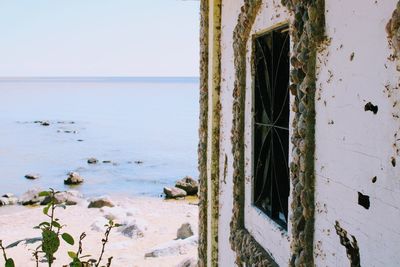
column 371, row 107
column 225, row 169
column 352, row 250
column 363, row 200
column 392, row 30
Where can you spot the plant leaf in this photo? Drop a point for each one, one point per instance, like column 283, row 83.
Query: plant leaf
column 85, row 256
column 72, row 254
column 44, row 194
column 50, row 242
column 56, row 224
column 44, row 224
column 68, row 238
column 76, row 263
column 10, row 263
column 46, row 209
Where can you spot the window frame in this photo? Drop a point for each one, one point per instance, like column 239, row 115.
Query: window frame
column 268, row 233
column 279, row 94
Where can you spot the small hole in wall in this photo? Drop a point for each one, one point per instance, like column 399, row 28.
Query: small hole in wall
column 352, row 56
column 393, row 161
column 363, row 200
column 371, row 107
column 374, row 179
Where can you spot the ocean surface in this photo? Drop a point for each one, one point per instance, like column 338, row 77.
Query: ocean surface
column 122, row 120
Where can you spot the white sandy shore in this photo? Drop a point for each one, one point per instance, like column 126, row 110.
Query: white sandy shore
column 159, row 218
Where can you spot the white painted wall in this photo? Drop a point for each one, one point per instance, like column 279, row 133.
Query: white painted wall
column 358, row 145
column 352, row 145
column 230, row 13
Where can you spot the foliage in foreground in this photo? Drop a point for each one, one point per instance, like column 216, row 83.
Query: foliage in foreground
column 52, row 230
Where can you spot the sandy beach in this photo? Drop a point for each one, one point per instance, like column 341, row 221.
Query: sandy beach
column 157, row 222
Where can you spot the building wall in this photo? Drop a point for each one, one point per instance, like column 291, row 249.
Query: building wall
column 353, row 145
column 230, row 12
column 356, row 150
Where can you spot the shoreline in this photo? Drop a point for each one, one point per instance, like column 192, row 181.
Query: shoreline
column 151, row 215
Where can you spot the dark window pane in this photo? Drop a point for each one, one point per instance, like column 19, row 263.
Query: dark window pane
column 271, row 125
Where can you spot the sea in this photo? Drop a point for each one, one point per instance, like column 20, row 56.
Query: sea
column 145, row 129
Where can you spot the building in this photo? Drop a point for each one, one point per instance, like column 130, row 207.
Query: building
column 299, row 133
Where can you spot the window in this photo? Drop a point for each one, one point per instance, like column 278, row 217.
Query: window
column 271, row 125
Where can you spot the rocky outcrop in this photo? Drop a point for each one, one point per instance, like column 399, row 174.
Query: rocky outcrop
column 8, row 199
column 174, row 192
column 32, row 176
column 25, row 241
column 100, row 202
column 70, row 197
column 92, row 161
column 132, row 230
column 190, row 185
column 189, row 262
column 98, row 224
column 31, row 197
column 184, row 231
column 173, row 248
column 73, row 179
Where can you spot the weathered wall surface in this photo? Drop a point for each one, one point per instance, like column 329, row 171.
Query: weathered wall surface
column 356, row 143
column 230, row 12
column 271, row 12
column 357, row 135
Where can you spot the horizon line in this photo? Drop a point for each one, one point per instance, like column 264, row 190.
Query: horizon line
column 23, row 79
column 95, row 76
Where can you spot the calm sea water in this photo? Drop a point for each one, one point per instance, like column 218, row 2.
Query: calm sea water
column 123, row 120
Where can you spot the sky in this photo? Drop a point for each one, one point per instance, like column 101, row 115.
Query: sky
column 45, row 38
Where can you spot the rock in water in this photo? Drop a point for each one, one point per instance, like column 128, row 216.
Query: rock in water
column 8, row 201
column 31, row 176
column 3, row 201
column 31, row 197
column 190, row 185
column 100, row 202
column 45, row 123
column 71, row 197
column 92, row 161
column 184, row 231
column 73, row 179
column 174, row 192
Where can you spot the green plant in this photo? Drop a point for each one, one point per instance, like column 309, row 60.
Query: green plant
column 51, row 233
column 9, row 261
